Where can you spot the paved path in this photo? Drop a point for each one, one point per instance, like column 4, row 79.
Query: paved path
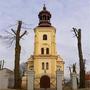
column 48, row 89
column 11, row 89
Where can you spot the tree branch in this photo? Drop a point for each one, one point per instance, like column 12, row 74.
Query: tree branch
column 13, row 31
column 9, row 33
column 11, row 41
column 75, row 32
column 23, row 34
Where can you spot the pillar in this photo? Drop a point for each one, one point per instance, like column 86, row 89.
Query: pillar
column 74, row 81
column 30, row 80
column 59, row 75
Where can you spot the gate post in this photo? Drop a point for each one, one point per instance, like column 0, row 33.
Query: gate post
column 30, row 80
column 59, row 76
column 74, row 81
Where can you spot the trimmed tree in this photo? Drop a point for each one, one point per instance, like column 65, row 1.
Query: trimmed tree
column 77, row 33
column 17, row 77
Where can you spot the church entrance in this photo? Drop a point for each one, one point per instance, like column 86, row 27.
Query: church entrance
column 45, row 82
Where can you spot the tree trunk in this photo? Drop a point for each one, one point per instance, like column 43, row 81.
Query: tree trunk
column 81, row 61
column 17, row 78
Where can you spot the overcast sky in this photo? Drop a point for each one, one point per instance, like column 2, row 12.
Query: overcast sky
column 65, row 15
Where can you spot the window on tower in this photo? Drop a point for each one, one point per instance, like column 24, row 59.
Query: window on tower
column 44, row 17
column 40, row 18
column 42, row 50
column 44, row 37
column 47, row 50
column 47, row 66
column 43, row 65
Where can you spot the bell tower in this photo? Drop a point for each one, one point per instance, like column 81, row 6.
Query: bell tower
column 45, row 43
column 45, row 60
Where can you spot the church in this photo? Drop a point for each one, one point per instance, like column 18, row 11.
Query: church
column 45, row 61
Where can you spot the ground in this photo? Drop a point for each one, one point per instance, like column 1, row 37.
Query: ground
column 50, row 89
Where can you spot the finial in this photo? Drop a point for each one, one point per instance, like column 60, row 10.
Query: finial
column 44, row 7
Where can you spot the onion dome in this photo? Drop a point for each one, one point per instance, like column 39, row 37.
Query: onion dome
column 44, row 18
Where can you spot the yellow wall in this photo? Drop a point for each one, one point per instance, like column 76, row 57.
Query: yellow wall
column 51, row 44
column 39, row 42
column 52, row 58
column 38, row 66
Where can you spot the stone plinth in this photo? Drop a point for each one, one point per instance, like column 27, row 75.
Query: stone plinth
column 30, row 79
column 59, row 75
column 74, row 81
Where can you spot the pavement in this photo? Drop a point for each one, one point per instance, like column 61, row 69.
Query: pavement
column 48, row 89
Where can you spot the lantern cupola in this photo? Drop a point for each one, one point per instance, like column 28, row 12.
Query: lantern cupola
column 44, row 18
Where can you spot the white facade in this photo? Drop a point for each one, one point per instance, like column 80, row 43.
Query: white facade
column 6, row 79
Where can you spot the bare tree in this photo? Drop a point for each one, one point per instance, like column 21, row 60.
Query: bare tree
column 77, row 33
column 17, row 78
column 15, row 35
column 74, row 67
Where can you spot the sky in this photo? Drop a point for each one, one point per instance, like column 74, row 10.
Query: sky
column 66, row 14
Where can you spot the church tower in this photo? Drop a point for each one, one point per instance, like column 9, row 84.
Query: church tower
column 45, row 60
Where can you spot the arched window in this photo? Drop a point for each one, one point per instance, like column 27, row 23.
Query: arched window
column 44, row 37
column 47, row 50
column 44, row 17
column 43, row 65
column 40, row 18
column 48, row 17
column 47, row 66
column 42, row 50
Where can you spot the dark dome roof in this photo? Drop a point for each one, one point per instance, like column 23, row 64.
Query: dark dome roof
column 45, row 12
column 44, row 17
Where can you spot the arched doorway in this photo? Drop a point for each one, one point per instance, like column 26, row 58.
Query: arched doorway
column 45, row 82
